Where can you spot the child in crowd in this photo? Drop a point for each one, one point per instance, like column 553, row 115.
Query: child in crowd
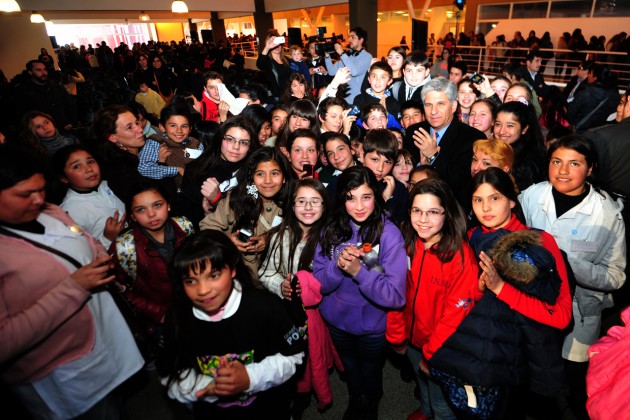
column 230, row 348
column 339, row 154
column 303, row 151
column 441, row 285
column 302, row 114
column 482, row 115
column 297, row 88
column 375, row 116
column 40, row 134
column 279, row 116
column 416, row 74
column 141, row 256
column 166, row 155
column 357, row 133
column 357, row 293
column 380, row 150
column 292, row 243
column 261, row 120
column 379, row 79
column 256, row 205
column 212, row 108
column 290, row 253
column 403, row 166
column 513, row 331
column 89, row 200
column 467, row 94
column 397, row 132
column 421, row 172
column 334, row 117
column 588, row 226
column 298, row 65
column 213, row 174
column 150, row 99
column 411, row 112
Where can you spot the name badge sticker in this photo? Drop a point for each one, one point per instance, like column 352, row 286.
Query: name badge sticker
column 583, row 246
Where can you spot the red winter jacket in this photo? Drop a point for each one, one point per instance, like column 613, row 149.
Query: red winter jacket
column 439, row 295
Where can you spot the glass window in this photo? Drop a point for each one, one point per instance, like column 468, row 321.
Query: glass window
column 529, row 10
column 570, row 8
column 494, row 11
column 614, row 8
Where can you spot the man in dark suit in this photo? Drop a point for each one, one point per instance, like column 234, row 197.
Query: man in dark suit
column 441, row 140
column 533, row 76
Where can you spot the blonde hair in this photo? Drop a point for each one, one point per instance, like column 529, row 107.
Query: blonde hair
column 497, row 150
column 296, row 48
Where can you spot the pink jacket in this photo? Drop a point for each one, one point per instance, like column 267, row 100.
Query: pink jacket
column 44, row 321
column 321, row 352
column 607, row 383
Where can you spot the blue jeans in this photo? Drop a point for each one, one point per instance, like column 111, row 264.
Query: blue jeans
column 363, row 358
column 432, row 399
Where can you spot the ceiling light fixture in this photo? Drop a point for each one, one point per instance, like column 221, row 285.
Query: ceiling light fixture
column 144, row 17
column 9, row 6
column 37, row 18
column 179, row 7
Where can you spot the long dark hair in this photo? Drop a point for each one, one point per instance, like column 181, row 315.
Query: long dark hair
column 290, row 227
column 339, row 227
column 195, row 254
column 211, row 157
column 245, row 207
column 502, row 182
column 454, row 228
column 302, row 108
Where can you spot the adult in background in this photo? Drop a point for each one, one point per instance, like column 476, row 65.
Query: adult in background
column 441, row 140
column 66, row 347
column 592, row 106
column 357, row 59
column 38, row 93
column 274, row 64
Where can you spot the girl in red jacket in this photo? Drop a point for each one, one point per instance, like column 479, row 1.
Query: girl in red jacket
column 441, row 286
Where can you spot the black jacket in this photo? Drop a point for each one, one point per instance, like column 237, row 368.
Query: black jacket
column 592, row 97
column 497, row 346
column 453, row 162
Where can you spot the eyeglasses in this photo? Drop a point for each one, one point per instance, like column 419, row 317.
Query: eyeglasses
column 315, row 202
column 431, row 214
column 236, row 142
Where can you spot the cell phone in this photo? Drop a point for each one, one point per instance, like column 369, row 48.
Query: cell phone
column 294, row 286
column 278, row 40
column 476, row 78
column 244, row 235
column 354, row 111
column 192, row 153
column 309, row 169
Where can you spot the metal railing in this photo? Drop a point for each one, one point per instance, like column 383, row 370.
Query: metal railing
column 559, row 69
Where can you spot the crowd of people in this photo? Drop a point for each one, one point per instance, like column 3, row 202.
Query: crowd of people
column 240, row 232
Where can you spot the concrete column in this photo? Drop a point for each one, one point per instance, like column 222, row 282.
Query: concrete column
column 363, row 13
column 218, row 28
column 263, row 21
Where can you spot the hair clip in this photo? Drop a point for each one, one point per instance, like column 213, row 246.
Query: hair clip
column 523, row 101
column 252, row 190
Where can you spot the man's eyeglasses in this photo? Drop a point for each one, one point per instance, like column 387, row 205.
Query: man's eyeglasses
column 236, row 142
column 431, row 214
column 315, row 202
